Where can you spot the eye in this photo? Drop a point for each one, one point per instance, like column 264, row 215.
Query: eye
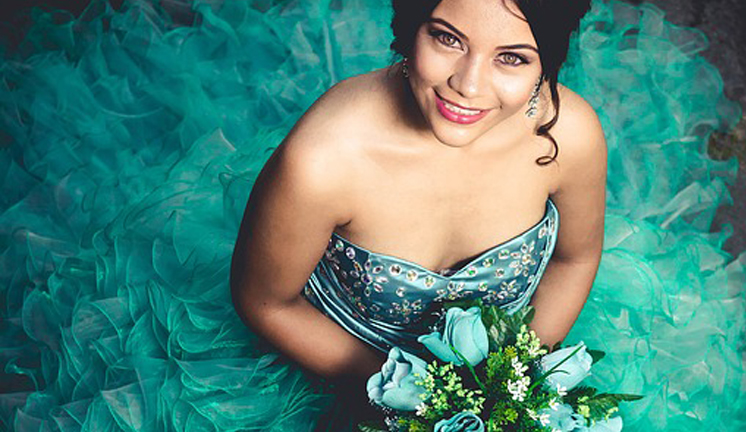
column 512, row 59
column 446, row 39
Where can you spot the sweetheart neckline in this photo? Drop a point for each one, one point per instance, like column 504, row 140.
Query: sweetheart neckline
column 550, row 207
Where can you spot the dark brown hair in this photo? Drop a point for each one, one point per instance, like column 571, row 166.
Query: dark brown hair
column 551, row 21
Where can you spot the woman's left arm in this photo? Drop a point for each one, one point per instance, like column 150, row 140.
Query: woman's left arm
column 580, row 198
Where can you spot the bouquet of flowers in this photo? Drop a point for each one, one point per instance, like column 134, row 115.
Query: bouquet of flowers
column 490, row 373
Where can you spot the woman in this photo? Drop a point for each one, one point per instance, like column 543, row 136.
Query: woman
column 435, row 161
column 134, row 142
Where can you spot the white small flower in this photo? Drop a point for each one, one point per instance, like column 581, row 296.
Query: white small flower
column 544, row 419
column 561, row 391
column 519, row 388
column 518, row 367
column 535, row 350
column 553, row 404
column 421, row 409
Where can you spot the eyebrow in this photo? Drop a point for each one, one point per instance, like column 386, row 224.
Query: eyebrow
column 460, row 34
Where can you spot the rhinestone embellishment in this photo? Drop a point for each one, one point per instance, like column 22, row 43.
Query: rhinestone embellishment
column 398, row 292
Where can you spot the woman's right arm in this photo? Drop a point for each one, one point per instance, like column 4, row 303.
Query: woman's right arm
column 298, row 199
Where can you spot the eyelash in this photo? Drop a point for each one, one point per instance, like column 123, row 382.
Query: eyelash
column 520, row 60
column 441, row 35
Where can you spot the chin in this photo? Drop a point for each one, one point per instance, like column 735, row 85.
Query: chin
column 456, row 139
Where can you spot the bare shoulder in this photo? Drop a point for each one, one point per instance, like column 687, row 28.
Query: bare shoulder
column 335, row 124
column 579, row 135
column 317, row 161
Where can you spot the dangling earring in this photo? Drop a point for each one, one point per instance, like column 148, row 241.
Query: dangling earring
column 405, row 68
column 533, row 103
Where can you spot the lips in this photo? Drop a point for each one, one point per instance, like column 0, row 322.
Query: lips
column 458, row 114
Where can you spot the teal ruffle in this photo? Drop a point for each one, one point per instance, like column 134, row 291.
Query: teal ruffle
column 131, row 141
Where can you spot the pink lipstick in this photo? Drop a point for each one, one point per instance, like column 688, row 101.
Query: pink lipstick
column 457, row 113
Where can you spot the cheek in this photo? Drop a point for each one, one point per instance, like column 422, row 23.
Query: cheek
column 514, row 91
column 429, row 65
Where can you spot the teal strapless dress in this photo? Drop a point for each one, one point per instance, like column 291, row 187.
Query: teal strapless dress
column 382, row 299
column 130, row 140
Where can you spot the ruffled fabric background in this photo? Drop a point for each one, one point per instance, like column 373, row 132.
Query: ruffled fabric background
column 130, row 145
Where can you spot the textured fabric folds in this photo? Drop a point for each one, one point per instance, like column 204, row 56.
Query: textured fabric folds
column 131, row 140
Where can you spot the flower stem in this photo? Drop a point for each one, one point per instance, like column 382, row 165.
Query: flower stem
column 544, row 376
column 471, row 369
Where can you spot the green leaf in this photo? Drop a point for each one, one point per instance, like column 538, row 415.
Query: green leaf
column 497, row 338
column 471, row 369
column 596, row 355
column 528, row 316
column 578, row 392
column 369, row 426
column 602, row 404
column 624, row 397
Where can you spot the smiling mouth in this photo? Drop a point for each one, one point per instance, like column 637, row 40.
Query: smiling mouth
column 458, row 114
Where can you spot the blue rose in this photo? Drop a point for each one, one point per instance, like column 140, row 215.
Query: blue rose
column 465, row 421
column 570, row 373
column 464, row 331
column 394, row 386
column 564, row 419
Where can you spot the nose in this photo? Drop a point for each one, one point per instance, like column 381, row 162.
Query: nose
column 467, row 78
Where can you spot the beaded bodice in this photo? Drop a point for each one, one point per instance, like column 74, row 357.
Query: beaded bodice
column 381, row 293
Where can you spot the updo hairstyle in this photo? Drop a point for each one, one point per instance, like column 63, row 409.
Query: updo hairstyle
column 551, row 21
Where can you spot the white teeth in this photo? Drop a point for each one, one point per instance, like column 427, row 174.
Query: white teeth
column 459, row 110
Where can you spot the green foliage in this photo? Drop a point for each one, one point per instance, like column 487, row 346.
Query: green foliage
column 603, row 405
column 503, row 414
column 596, row 355
column 505, row 418
column 369, row 426
column 447, row 395
column 412, row 425
column 496, row 367
column 503, row 328
column 578, row 392
column 596, row 406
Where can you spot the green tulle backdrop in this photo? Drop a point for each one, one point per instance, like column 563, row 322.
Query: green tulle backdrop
column 129, row 146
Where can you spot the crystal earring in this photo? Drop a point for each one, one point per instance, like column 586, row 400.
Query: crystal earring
column 405, row 68
column 533, row 103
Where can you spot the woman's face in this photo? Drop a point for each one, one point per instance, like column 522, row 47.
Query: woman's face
column 474, row 64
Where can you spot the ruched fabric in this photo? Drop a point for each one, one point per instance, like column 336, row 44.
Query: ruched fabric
column 130, row 144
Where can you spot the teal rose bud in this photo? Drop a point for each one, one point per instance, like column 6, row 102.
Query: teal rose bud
column 465, row 421
column 564, row 419
column 571, row 372
column 394, row 386
column 464, row 331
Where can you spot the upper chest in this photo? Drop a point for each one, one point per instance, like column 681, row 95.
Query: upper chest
column 439, row 211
